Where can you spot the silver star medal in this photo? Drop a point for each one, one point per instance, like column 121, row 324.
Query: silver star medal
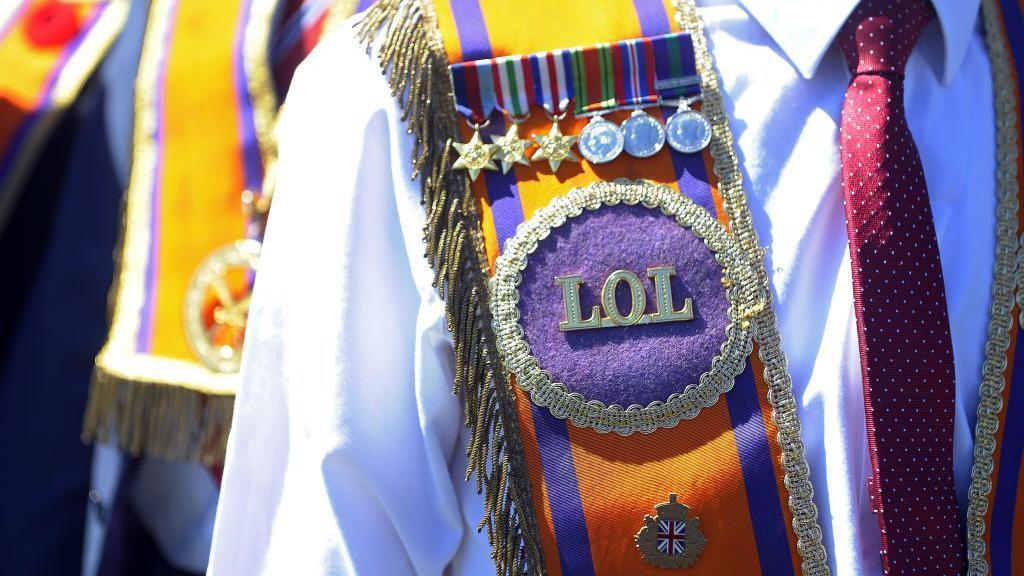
column 475, row 156
column 511, row 148
column 555, row 148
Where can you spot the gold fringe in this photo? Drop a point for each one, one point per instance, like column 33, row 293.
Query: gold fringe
column 157, row 420
column 413, row 59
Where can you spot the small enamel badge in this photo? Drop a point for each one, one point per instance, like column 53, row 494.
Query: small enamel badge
column 670, row 539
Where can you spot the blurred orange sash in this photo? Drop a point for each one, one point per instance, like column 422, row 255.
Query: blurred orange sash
column 49, row 49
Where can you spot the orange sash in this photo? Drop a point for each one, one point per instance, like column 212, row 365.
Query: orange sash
column 591, row 491
column 205, row 108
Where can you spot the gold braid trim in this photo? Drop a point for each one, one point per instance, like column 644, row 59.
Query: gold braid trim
column 766, row 326
column 412, row 57
column 1009, row 264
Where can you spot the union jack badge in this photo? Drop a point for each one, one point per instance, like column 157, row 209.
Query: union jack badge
column 670, row 539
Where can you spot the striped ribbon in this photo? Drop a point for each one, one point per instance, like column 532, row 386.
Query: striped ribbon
column 597, row 77
column 591, row 491
column 301, row 24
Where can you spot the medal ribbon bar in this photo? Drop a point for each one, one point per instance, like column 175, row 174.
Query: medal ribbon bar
column 626, row 74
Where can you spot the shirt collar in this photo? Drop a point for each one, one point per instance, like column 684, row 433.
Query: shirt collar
column 804, row 29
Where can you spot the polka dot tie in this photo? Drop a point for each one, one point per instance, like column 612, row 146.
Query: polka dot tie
column 902, row 324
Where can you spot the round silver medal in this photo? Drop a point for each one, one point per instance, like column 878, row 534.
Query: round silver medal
column 600, row 141
column 688, row 131
column 644, row 136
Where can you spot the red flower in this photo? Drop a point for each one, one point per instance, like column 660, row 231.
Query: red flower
column 52, row 24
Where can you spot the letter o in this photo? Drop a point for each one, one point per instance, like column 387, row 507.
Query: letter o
column 638, row 298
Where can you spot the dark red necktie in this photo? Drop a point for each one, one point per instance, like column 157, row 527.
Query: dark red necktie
column 902, row 323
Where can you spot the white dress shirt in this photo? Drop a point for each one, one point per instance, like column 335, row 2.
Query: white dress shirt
column 346, row 455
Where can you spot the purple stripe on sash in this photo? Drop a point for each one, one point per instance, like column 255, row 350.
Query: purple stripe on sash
column 364, row 4
column 559, row 471
column 557, row 466
column 502, row 194
column 252, row 161
column 1010, row 456
column 472, row 30
column 692, row 176
column 144, row 338
column 653, row 17
column 563, row 493
column 759, row 476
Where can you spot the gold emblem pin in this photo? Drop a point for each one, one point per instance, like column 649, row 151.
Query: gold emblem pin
column 475, row 156
column 670, row 539
column 217, row 305
column 555, row 147
column 511, row 148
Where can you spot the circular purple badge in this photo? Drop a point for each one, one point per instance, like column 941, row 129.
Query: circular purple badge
column 631, row 364
column 621, row 306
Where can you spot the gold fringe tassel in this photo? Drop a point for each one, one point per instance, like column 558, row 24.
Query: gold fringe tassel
column 157, row 420
column 413, row 59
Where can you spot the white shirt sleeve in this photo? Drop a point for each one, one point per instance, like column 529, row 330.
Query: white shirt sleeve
column 346, row 454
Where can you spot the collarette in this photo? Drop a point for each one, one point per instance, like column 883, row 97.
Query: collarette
column 804, row 29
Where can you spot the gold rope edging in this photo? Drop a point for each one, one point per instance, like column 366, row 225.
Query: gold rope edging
column 412, row 57
column 1009, row 264
column 766, row 327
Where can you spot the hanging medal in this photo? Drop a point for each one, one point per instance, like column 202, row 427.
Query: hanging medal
column 687, row 130
column 555, row 147
column 475, row 156
column 600, row 141
column 217, row 298
column 511, row 148
column 643, row 135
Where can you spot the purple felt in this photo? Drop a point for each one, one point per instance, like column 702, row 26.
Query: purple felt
column 630, row 364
